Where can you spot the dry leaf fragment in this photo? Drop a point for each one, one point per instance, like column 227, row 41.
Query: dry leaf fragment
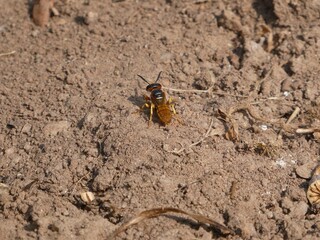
column 155, row 212
column 266, row 32
column 232, row 132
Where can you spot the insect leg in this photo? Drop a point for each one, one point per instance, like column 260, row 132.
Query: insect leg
column 147, row 104
column 170, row 102
column 151, row 112
column 172, row 108
column 146, row 98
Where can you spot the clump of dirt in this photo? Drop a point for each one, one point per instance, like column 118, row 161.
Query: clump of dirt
column 244, row 79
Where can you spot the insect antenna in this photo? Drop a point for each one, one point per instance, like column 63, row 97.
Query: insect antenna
column 143, row 79
column 159, row 76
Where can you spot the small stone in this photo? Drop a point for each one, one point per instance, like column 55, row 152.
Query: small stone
column 90, row 18
column 269, row 214
column 4, row 193
column 304, row 171
column 316, row 136
column 65, row 213
column 286, row 204
column 9, row 151
column 27, row 147
column 35, row 33
column 166, row 147
column 311, row 217
column 52, row 129
column 299, row 210
column 26, row 128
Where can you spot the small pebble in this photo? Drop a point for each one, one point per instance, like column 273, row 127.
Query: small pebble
column 9, row 151
column 52, row 129
column 286, row 204
column 304, row 171
column 27, row 147
column 35, row 33
column 269, row 214
column 90, row 18
column 26, row 128
column 299, row 210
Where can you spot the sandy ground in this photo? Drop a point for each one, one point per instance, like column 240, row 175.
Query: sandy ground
column 69, row 95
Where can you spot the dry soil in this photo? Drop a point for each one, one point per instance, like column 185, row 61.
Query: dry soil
column 69, row 101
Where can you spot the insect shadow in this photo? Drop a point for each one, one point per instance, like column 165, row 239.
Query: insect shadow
column 136, row 100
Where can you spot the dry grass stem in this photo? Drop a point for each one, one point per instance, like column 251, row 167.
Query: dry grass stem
column 306, row 130
column 76, row 183
column 209, row 90
column 290, row 119
column 293, row 115
column 155, row 212
column 263, row 100
column 8, row 53
column 188, row 90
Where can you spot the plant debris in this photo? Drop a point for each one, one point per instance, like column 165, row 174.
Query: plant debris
column 155, row 212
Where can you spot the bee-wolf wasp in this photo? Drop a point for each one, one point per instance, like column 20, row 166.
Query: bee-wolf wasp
column 158, row 102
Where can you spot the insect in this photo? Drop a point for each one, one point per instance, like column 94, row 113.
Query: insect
column 158, row 102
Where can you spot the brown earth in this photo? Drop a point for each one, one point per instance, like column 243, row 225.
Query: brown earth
column 69, row 97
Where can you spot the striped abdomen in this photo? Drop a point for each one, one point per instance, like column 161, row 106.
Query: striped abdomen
column 164, row 113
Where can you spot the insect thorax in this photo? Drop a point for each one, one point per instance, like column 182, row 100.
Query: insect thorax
column 158, row 97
